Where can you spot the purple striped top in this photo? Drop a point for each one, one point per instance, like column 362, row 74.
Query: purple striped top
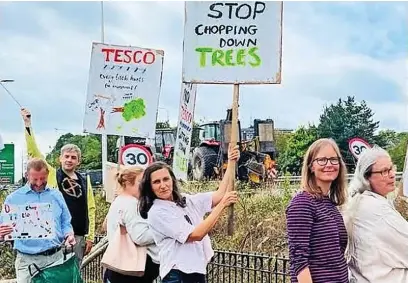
column 317, row 239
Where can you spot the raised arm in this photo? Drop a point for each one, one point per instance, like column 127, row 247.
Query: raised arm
column 32, row 147
column 233, row 156
column 181, row 230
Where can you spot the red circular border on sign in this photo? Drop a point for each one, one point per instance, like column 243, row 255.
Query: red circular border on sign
column 123, row 149
column 357, row 139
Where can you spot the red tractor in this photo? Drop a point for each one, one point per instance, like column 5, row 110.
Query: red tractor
column 164, row 143
column 256, row 163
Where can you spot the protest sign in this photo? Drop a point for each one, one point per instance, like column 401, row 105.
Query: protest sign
column 30, row 221
column 123, row 90
column 232, row 42
column 228, row 42
column 184, row 130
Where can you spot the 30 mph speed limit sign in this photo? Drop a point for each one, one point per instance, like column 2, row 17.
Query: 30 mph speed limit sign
column 135, row 155
column 357, row 146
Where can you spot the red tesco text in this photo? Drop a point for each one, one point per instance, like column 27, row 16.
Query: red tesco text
column 128, row 56
column 186, row 115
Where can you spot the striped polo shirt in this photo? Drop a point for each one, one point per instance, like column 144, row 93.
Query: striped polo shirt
column 317, row 239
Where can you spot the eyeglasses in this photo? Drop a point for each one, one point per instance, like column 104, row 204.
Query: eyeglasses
column 385, row 172
column 322, row 161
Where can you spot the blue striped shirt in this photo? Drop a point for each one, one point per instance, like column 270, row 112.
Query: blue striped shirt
column 317, row 239
column 25, row 195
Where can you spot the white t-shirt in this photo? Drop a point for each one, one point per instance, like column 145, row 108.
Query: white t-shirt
column 171, row 225
column 124, row 209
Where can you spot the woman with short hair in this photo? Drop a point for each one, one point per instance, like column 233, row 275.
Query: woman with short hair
column 378, row 234
column 316, row 232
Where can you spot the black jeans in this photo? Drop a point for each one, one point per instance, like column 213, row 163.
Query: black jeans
column 151, row 273
column 176, row 276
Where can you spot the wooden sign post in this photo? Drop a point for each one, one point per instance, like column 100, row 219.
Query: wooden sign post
column 234, row 135
column 232, row 43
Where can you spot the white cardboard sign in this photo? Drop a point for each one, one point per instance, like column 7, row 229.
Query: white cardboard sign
column 123, row 90
column 232, row 42
column 184, row 130
column 31, row 221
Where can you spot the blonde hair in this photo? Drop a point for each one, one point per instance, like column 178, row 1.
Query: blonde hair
column 338, row 189
column 37, row 164
column 71, row 148
column 128, row 175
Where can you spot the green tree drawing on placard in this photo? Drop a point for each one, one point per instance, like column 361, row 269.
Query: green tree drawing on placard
column 134, row 109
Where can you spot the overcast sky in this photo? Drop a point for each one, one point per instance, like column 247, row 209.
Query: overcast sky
column 330, row 50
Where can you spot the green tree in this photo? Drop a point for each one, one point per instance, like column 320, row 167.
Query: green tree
column 347, row 119
column 291, row 158
column 387, row 139
column 399, row 150
column 91, row 150
column 281, row 141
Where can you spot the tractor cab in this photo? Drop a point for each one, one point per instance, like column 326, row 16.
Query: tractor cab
column 209, row 157
column 164, row 143
column 210, row 133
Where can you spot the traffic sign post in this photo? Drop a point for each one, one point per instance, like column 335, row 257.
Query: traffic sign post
column 135, row 155
column 7, row 165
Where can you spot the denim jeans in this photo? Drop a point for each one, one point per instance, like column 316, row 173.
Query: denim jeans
column 176, row 276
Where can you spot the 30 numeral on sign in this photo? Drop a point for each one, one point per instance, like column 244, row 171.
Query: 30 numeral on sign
column 135, row 155
column 357, row 146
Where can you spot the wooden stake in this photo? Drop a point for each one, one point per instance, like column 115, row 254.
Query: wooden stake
column 121, row 145
column 234, row 136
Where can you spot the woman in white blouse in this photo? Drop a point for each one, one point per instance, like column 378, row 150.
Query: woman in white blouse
column 124, row 210
column 378, row 234
column 176, row 221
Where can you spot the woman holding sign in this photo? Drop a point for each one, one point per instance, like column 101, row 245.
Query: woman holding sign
column 177, row 221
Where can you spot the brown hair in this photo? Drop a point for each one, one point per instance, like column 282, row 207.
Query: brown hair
column 338, row 189
column 128, row 175
column 37, row 164
column 147, row 196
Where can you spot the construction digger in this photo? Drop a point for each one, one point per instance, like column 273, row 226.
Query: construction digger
column 258, row 155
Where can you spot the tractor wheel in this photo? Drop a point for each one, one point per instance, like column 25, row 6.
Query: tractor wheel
column 204, row 161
